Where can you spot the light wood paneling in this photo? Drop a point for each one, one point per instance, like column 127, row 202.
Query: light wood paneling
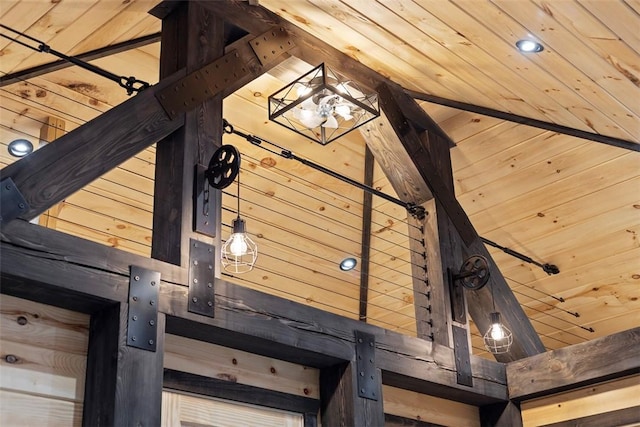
column 43, row 363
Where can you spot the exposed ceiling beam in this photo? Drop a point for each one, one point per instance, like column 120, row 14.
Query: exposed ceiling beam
column 581, row 364
column 87, row 56
column 76, row 273
column 423, row 148
column 485, row 111
column 49, row 175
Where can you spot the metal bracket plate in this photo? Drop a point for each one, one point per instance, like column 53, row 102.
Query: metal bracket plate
column 204, row 212
column 12, row 202
column 201, row 278
column 271, row 44
column 456, row 293
column 143, row 308
column 366, row 365
column 462, row 355
column 202, row 84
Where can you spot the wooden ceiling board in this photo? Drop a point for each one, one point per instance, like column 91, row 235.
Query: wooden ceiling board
column 554, row 197
column 615, row 78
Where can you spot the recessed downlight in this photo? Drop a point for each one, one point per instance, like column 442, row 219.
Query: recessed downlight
column 348, row 264
column 20, row 147
column 529, row 46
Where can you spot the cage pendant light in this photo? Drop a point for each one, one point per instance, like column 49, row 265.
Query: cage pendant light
column 239, row 252
column 323, row 105
column 498, row 338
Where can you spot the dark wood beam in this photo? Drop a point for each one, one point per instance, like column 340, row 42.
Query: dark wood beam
column 230, row 390
column 43, row 263
column 578, row 365
column 191, row 38
column 430, row 158
column 553, row 127
column 365, row 251
column 123, row 384
column 49, row 175
column 54, row 172
column 92, row 55
column 340, row 404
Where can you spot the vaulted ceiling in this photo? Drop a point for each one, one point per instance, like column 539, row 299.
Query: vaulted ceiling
column 556, row 198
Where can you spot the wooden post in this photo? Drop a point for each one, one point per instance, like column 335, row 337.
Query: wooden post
column 191, row 37
column 340, row 404
column 124, row 384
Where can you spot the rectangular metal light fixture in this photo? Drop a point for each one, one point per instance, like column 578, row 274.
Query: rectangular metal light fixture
column 323, row 105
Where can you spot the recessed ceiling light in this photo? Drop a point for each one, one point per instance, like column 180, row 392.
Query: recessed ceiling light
column 20, row 147
column 348, row 264
column 529, row 46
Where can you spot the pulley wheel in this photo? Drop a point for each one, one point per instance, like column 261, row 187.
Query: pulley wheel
column 224, row 167
column 474, row 273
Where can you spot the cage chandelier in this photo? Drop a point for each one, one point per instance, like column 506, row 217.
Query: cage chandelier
column 323, row 105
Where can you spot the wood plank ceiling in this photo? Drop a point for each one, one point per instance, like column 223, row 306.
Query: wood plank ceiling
column 556, row 198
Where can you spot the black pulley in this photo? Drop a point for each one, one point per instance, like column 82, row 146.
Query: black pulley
column 224, row 167
column 474, row 273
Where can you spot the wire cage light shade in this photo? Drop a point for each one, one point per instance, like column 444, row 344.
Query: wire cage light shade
column 323, row 105
column 239, row 252
column 498, row 338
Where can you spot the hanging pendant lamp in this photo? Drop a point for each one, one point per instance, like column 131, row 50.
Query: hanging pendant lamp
column 239, row 252
column 498, row 338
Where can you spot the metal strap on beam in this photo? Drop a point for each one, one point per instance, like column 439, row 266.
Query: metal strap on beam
column 213, row 78
column 462, row 355
column 144, row 287
column 12, row 202
column 201, row 276
column 366, row 365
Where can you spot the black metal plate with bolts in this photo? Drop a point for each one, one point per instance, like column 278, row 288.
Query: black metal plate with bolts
column 144, row 288
column 456, row 292
column 201, row 278
column 202, row 84
column 204, row 212
column 366, row 365
column 12, row 203
column 463, row 356
column 271, row 44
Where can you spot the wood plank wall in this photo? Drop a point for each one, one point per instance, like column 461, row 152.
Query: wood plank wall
column 601, row 399
column 42, row 365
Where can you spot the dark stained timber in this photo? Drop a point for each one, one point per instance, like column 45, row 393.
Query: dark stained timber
column 581, row 364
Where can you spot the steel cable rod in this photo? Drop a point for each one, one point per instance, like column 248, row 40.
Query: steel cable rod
column 29, row 82
column 260, row 220
column 130, row 84
column 412, row 208
column 80, row 121
column 321, row 200
column 573, row 313
column 329, row 275
column 308, row 183
column 560, row 299
column 288, row 154
column 317, row 302
column 255, row 218
column 303, row 208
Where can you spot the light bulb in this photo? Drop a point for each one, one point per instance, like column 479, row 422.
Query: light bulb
column 497, row 333
column 238, row 246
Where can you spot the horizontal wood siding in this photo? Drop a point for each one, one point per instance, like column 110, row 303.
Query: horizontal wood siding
column 43, row 362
